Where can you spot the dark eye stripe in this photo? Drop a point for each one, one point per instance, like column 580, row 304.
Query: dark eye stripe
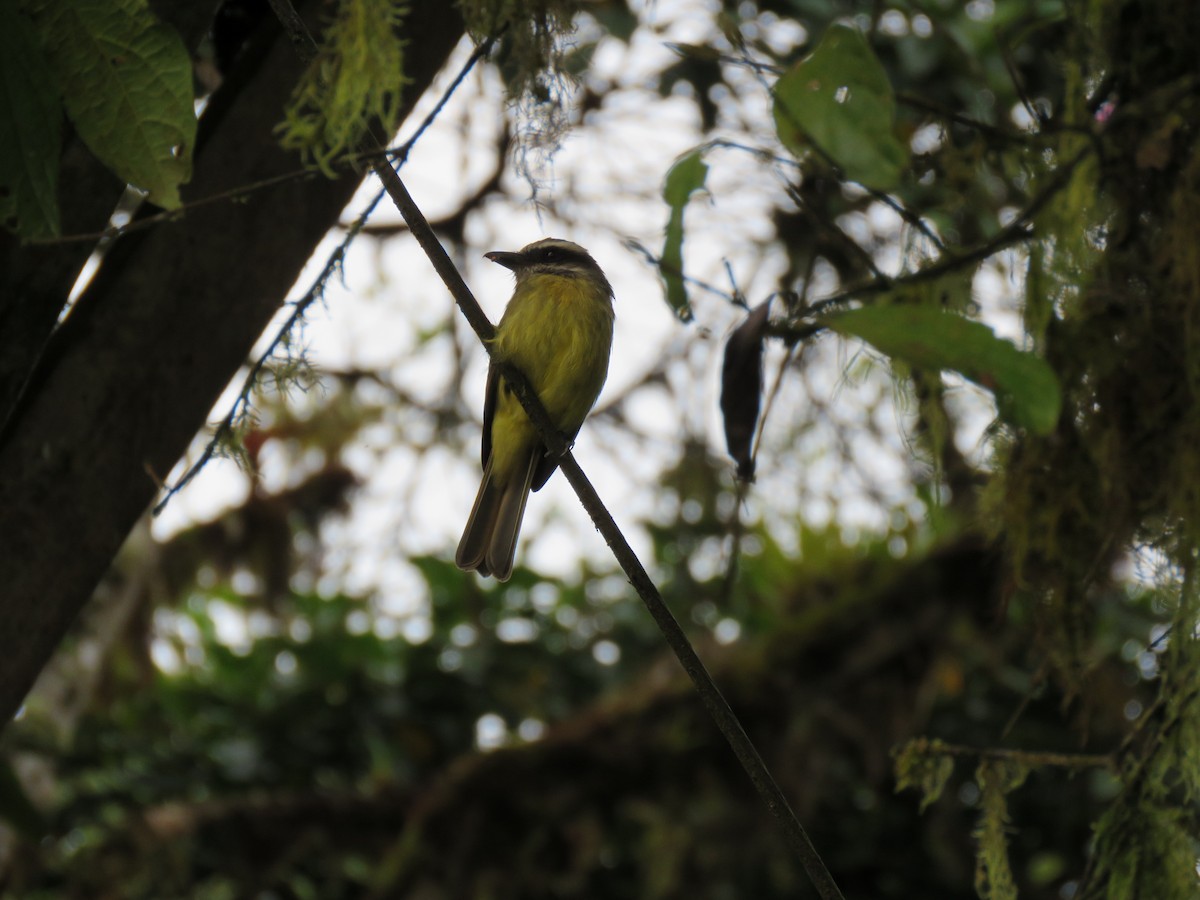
column 561, row 255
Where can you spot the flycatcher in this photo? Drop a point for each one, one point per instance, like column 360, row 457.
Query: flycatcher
column 557, row 330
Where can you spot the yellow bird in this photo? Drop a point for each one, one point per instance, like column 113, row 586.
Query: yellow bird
column 557, row 330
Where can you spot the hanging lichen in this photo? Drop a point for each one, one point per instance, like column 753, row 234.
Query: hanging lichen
column 355, row 80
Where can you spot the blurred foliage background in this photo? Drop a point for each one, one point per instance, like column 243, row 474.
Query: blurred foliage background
column 294, row 693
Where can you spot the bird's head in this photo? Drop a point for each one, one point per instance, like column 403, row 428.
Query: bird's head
column 551, row 256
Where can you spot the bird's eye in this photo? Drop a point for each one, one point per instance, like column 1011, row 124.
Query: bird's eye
column 550, row 254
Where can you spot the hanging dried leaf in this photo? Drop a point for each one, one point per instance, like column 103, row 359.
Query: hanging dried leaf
column 741, row 388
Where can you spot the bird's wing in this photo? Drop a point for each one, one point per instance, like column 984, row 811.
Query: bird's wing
column 547, row 464
column 489, row 413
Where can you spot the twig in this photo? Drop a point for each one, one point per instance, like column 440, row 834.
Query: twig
column 1029, row 757
column 739, row 298
column 295, row 29
column 656, row 261
column 686, row 51
column 794, row 351
column 1035, row 114
column 242, row 192
column 908, row 216
column 113, row 232
column 986, row 128
column 761, row 152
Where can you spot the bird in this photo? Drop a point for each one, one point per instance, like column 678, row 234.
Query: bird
column 557, row 330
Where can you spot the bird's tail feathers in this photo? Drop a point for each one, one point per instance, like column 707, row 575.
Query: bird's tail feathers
column 489, row 542
column 502, row 549
column 477, row 535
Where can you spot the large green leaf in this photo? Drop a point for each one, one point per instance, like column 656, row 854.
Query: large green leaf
column 686, row 177
column 1026, row 389
column 126, row 82
column 839, row 99
column 30, row 132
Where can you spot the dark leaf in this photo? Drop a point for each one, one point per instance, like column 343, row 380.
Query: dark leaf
column 741, row 388
column 30, row 129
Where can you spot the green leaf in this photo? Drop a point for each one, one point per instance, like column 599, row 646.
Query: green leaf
column 1025, row 387
column 126, row 82
column 685, row 178
column 616, row 19
column 924, row 765
column 30, row 132
column 839, row 99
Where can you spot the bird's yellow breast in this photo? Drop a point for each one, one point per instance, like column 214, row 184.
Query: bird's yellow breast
column 558, row 331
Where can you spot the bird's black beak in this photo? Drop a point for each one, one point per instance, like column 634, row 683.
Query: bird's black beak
column 506, row 259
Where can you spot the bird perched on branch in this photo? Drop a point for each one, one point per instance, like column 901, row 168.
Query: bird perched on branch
column 557, row 330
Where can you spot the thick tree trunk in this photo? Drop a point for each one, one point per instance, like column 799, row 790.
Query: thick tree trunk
column 130, row 376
